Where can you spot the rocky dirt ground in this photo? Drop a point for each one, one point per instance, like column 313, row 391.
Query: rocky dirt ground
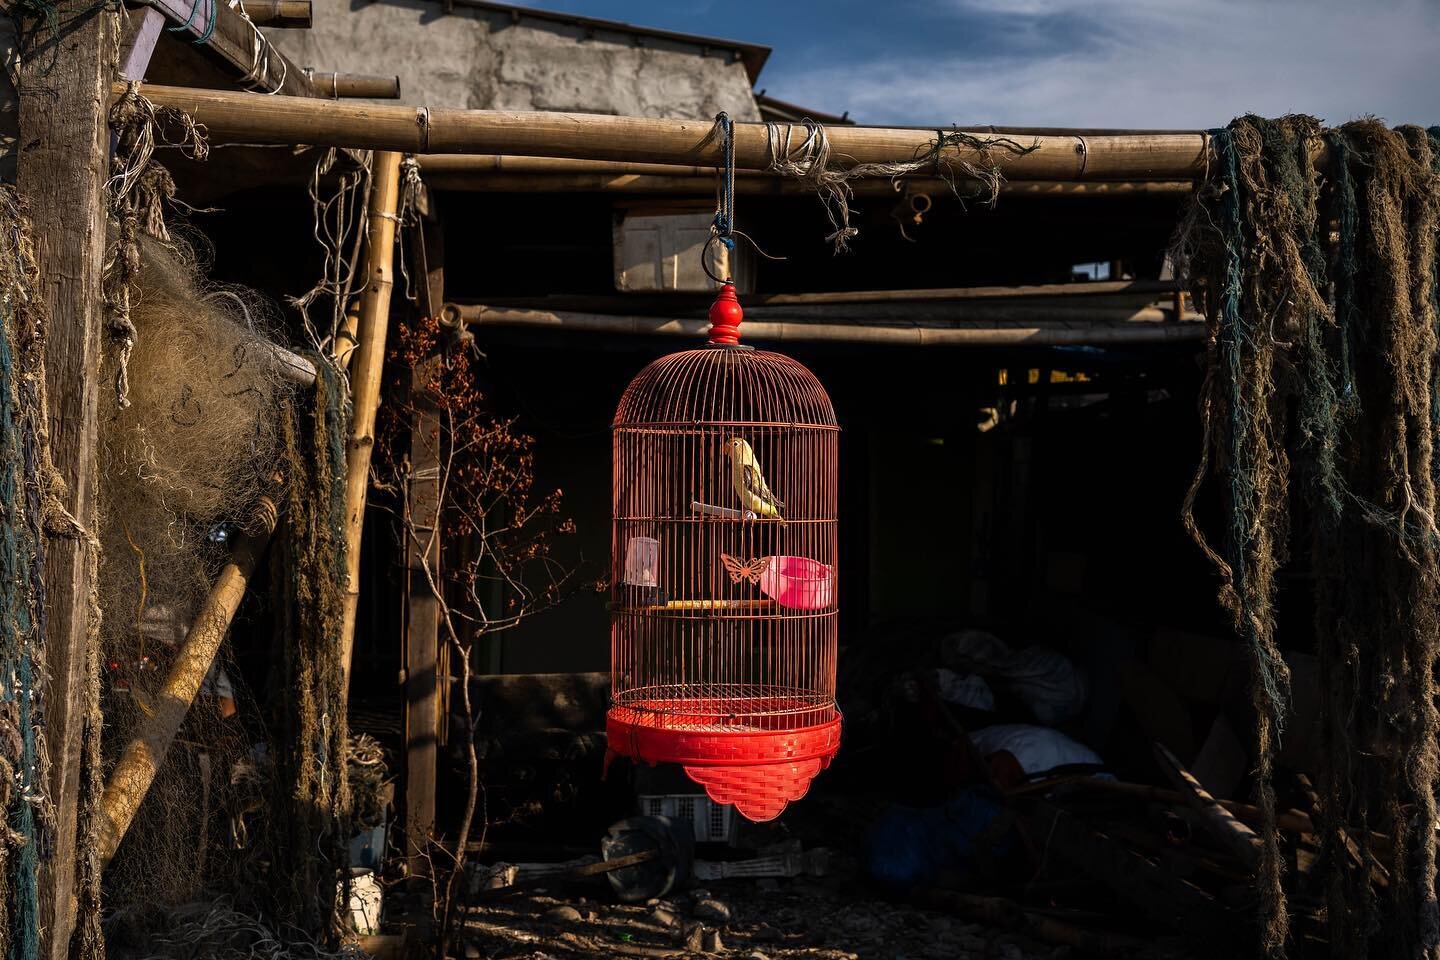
column 800, row 919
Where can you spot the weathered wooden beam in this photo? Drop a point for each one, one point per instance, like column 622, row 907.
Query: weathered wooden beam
column 422, row 634
column 1021, row 327
column 65, row 88
column 367, row 362
column 246, row 118
column 423, row 714
column 235, row 42
column 141, row 757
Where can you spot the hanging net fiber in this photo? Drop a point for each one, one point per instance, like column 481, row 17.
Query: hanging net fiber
column 1313, row 253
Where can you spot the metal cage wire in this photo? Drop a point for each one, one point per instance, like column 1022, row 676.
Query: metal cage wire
column 723, row 627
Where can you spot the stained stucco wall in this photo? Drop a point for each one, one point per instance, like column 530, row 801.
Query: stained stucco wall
column 484, row 60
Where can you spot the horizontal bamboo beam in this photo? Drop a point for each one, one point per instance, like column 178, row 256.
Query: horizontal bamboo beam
column 287, row 14
column 1077, row 327
column 653, row 185
column 498, row 173
column 355, row 86
column 289, row 366
column 251, row 118
column 142, row 756
column 826, row 304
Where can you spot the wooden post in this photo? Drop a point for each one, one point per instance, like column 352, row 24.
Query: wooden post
column 366, row 365
column 422, row 620
column 142, row 756
column 422, row 634
column 65, row 91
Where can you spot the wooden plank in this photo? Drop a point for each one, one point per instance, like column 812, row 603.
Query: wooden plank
column 142, row 30
column 246, row 118
column 424, row 664
column 422, row 635
column 64, row 97
column 241, row 49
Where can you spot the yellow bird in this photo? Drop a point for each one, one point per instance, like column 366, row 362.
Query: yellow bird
column 750, row 485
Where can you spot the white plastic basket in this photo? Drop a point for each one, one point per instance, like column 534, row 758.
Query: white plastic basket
column 713, row 822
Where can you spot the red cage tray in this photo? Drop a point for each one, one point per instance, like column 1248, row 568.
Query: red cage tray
column 759, row 769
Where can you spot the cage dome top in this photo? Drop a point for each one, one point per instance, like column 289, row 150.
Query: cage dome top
column 720, row 386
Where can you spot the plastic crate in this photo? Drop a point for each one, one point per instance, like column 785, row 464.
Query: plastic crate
column 713, row 822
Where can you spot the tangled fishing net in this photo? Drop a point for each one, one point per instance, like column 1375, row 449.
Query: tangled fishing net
column 1322, row 406
column 183, row 462
column 28, row 496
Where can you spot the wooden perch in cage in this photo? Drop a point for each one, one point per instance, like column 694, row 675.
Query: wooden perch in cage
column 141, row 758
column 253, row 118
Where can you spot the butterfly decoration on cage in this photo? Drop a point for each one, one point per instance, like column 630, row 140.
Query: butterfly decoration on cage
column 752, row 571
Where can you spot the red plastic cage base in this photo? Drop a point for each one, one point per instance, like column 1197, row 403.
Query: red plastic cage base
column 759, row 771
column 760, row 792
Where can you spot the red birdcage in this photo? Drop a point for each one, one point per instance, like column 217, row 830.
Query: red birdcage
column 723, row 631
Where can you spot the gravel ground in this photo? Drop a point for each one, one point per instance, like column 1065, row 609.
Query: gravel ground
column 747, row 920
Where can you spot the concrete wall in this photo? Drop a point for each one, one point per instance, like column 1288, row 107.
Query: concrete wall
column 483, row 60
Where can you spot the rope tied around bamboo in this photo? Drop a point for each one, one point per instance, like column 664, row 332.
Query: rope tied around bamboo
column 1321, row 393
column 808, row 159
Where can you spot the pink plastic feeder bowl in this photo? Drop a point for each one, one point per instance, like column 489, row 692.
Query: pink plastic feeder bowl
column 798, row 582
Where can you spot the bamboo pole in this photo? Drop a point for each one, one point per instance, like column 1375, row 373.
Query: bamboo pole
column 362, row 86
column 231, row 117
column 296, row 14
column 1224, row 826
column 366, row 365
column 142, row 756
column 497, row 173
column 1294, row 820
column 1151, row 325
column 753, row 186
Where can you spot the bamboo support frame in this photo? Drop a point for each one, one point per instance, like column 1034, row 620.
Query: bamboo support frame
column 650, row 185
column 231, row 117
column 495, row 173
column 366, row 366
column 1039, row 328
column 142, row 756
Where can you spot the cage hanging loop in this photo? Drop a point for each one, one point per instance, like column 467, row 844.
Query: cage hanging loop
column 725, row 317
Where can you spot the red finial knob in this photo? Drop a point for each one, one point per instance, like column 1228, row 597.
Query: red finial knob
column 725, row 316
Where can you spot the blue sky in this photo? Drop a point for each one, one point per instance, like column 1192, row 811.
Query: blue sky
column 1115, row 63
